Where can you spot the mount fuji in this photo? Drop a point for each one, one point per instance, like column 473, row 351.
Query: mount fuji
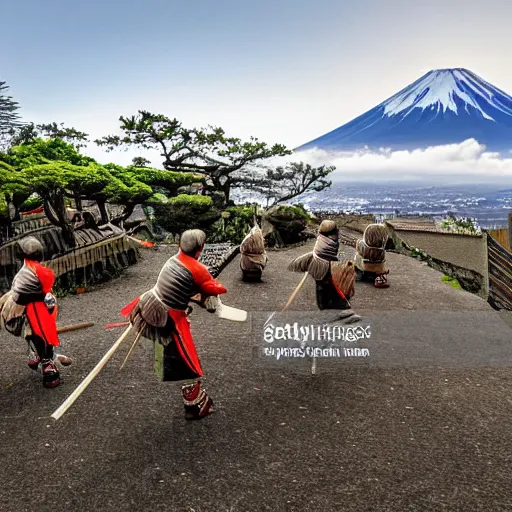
column 444, row 106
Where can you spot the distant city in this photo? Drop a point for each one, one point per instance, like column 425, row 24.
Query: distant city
column 488, row 206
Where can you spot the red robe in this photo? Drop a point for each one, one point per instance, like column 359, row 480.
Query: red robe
column 42, row 322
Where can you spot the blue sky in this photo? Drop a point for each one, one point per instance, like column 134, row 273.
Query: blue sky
column 284, row 70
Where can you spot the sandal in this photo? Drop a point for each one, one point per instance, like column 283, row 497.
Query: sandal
column 381, row 281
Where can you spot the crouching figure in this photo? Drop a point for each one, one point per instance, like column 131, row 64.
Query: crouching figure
column 334, row 279
column 370, row 257
column 254, row 256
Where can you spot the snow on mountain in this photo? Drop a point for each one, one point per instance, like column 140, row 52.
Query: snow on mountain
column 444, row 106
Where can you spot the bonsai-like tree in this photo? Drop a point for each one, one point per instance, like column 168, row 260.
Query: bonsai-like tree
column 284, row 183
column 220, row 159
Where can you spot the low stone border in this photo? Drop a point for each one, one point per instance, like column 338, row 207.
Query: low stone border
column 216, row 257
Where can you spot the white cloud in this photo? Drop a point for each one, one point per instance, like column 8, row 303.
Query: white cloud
column 467, row 162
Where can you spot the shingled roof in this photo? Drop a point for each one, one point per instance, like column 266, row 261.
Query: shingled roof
column 421, row 224
column 415, row 224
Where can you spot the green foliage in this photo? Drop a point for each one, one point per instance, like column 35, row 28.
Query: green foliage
column 170, row 181
column 122, row 187
column 196, row 203
column 451, row 281
column 147, row 131
column 41, row 151
column 6, row 173
column 463, row 225
column 186, row 212
column 52, row 167
column 29, row 132
column 419, row 254
column 23, row 134
column 158, row 199
column 12, row 185
column 236, row 221
column 289, row 223
column 51, row 178
column 296, row 212
column 233, row 226
column 126, row 191
column 140, row 161
column 89, row 181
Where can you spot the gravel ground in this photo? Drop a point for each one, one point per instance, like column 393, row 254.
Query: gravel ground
column 356, row 438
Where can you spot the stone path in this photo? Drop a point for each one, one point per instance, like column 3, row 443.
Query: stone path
column 434, row 435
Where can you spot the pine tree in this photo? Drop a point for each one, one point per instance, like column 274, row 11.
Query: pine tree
column 9, row 117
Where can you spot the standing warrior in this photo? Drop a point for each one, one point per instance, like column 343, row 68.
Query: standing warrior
column 370, row 257
column 29, row 309
column 254, row 256
column 161, row 315
column 335, row 280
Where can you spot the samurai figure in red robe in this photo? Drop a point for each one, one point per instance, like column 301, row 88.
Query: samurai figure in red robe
column 161, row 314
column 29, row 309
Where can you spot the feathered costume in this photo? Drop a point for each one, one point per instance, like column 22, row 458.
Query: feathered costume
column 253, row 255
column 161, row 315
column 335, row 280
column 370, row 257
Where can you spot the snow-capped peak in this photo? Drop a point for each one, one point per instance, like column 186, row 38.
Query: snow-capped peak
column 445, row 106
column 448, row 89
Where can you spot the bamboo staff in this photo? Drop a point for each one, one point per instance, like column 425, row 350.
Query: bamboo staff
column 290, row 300
column 81, row 388
column 75, row 327
column 137, row 338
column 295, row 292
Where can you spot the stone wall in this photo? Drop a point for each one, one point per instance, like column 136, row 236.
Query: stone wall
column 469, row 280
column 462, row 257
column 461, row 250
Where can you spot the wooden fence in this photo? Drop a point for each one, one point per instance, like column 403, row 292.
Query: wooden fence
column 501, row 236
column 500, row 275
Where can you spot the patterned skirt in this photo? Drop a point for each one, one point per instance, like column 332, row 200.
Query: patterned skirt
column 180, row 359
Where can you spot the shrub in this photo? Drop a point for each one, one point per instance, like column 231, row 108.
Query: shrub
column 234, row 224
column 463, row 225
column 293, row 212
column 186, row 212
column 289, row 223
